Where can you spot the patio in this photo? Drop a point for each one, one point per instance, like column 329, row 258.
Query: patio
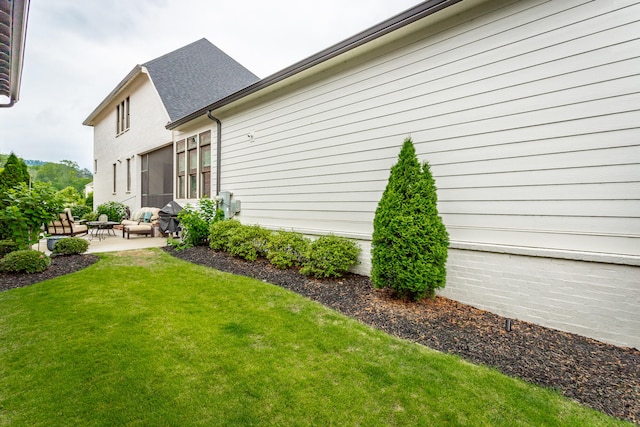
column 111, row 243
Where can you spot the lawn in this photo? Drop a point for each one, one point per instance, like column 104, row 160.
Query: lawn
column 144, row 339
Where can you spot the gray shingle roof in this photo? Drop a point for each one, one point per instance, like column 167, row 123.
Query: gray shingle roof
column 196, row 75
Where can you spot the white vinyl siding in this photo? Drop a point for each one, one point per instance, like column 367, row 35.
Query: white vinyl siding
column 528, row 114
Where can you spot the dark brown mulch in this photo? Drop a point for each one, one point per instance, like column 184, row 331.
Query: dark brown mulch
column 60, row 266
column 602, row 376
column 599, row 375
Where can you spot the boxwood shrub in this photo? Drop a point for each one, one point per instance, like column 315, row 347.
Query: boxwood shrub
column 25, row 261
column 220, row 232
column 330, row 256
column 249, row 242
column 287, row 249
column 70, row 246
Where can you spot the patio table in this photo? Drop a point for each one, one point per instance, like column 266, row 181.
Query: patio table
column 99, row 228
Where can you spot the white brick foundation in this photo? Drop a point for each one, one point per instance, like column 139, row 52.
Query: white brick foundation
column 597, row 300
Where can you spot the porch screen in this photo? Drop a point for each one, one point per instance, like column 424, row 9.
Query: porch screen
column 157, row 177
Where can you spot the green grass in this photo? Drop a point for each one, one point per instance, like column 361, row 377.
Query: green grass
column 143, row 339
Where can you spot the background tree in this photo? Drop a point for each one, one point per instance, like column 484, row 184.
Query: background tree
column 14, row 172
column 410, row 241
column 64, row 174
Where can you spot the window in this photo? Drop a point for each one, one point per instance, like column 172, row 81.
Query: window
column 122, row 116
column 193, row 166
column 192, row 158
column 205, row 164
column 180, row 169
column 114, row 178
column 128, row 175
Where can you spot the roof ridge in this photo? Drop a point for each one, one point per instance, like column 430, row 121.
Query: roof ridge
column 175, row 51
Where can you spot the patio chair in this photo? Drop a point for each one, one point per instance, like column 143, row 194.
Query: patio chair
column 74, row 227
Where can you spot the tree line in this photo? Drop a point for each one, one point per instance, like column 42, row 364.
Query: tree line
column 61, row 175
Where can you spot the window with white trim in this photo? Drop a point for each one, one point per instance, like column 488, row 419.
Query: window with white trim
column 122, row 116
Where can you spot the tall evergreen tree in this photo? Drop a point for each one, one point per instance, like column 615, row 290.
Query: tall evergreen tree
column 410, row 241
column 14, row 172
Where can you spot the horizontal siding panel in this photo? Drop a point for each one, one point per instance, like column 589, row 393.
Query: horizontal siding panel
column 609, row 191
column 366, row 198
column 611, row 156
column 529, row 116
column 300, row 184
column 564, row 242
column 302, row 171
column 373, row 189
column 326, row 207
column 577, row 208
column 546, row 224
column 293, row 117
column 263, row 214
column 581, row 175
column 473, row 42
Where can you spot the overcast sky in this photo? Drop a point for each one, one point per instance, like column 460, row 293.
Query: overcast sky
column 77, row 51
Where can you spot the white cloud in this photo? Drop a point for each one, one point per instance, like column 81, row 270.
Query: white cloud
column 78, row 51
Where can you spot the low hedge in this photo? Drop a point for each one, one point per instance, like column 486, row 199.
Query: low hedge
column 328, row 256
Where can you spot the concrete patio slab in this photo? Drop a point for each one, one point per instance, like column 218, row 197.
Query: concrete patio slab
column 113, row 243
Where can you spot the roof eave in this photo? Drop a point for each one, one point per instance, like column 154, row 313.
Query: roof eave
column 18, row 33
column 394, row 23
column 138, row 69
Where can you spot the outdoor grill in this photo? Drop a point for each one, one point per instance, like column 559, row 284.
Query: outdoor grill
column 169, row 222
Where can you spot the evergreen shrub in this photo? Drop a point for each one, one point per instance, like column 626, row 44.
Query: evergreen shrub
column 25, row 261
column 220, row 232
column 410, row 241
column 287, row 249
column 7, row 246
column 330, row 256
column 248, row 242
column 70, row 246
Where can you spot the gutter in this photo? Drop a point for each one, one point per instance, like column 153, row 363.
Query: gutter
column 218, row 151
column 401, row 20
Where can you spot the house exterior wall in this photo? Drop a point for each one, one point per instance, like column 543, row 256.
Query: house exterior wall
column 146, row 133
column 527, row 113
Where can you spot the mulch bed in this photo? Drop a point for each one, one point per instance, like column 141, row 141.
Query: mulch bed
column 602, row 376
column 60, row 266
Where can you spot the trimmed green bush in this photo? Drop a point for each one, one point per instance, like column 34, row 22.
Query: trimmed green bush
column 410, row 241
column 220, row 232
column 287, row 249
column 330, row 256
column 248, row 242
column 25, row 261
column 70, row 246
column 8, row 246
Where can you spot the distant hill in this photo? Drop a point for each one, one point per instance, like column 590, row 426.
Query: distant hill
column 34, row 162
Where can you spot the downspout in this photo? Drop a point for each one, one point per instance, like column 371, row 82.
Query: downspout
column 218, row 151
